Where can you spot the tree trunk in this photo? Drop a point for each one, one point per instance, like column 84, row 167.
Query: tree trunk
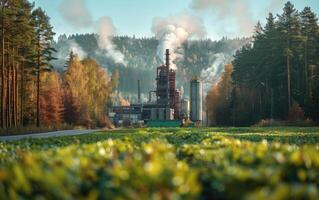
column 272, row 104
column 3, row 96
column 8, row 99
column 38, row 84
column 288, row 81
column 21, row 93
column 15, row 90
column 306, row 70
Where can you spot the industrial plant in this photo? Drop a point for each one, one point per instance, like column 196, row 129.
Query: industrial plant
column 168, row 109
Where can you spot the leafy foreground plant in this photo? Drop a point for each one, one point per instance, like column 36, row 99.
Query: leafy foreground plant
column 214, row 166
column 105, row 170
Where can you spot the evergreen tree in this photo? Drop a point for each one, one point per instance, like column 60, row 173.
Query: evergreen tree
column 44, row 50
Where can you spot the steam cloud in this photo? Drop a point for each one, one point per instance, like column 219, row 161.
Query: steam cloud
column 106, row 31
column 173, row 31
column 76, row 49
column 76, row 13
column 238, row 10
column 63, row 54
column 211, row 75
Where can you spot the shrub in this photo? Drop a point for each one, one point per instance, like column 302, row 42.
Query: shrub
column 269, row 123
column 296, row 113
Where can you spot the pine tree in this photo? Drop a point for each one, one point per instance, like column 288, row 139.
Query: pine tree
column 289, row 26
column 44, row 50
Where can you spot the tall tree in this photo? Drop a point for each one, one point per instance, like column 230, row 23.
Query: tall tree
column 4, row 5
column 279, row 69
column 43, row 41
column 289, row 27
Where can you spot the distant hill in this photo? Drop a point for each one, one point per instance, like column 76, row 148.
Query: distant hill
column 205, row 58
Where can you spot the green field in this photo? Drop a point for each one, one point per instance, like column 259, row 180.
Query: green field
column 171, row 163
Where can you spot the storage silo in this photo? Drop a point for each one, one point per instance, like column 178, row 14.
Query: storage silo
column 196, row 93
column 184, row 109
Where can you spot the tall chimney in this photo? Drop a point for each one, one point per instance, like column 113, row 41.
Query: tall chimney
column 167, row 87
column 167, row 58
column 139, row 91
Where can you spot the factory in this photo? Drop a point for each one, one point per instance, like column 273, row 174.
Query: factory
column 168, row 109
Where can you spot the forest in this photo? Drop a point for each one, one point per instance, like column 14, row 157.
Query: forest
column 275, row 77
column 205, row 58
column 33, row 93
column 47, row 82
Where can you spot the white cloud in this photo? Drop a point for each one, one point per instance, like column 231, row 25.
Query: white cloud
column 76, row 13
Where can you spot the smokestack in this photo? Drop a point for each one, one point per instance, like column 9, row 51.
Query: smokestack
column 167, row 65
column 139, row 91
column 167, row 58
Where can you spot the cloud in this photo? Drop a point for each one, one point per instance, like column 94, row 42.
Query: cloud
column 76, row 13
column 174, row 30
column 237, row 10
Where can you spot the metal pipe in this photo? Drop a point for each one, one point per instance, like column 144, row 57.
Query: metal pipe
column 167, row 68
column 139, row 91
column 150, row 96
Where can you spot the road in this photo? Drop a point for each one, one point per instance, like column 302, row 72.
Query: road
column 47, row 135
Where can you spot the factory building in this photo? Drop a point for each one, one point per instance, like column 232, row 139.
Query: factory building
column 166, row 108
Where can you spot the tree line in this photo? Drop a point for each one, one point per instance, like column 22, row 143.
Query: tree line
column 274, row 77
column 32, row 92
column 142, row 59
column 26, row 38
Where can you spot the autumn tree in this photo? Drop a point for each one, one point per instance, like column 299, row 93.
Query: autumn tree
column 219, row 98
column 51, row 102
column 88, row 85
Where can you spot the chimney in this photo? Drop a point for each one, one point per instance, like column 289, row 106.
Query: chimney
column 167, row 86
column 167, row 58
column 139, row 91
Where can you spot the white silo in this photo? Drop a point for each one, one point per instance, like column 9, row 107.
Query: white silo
column 184, row 109
column 196, row 94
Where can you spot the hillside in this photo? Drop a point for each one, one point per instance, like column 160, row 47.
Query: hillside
column 204, row 58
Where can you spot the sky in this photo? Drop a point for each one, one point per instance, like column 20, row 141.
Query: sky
column 229, row 18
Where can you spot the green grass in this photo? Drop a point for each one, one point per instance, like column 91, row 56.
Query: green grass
column 165, row 163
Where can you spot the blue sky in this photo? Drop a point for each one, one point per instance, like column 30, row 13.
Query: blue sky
column 135, row 17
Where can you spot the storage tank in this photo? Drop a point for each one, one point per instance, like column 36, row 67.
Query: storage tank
column 161, row 114
column 154, row 114
column 196, row 99
column 184, row 106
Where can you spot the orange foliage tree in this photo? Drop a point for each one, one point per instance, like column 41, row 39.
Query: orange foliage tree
column 51, row 103
column 218, row 99
column 90, row 88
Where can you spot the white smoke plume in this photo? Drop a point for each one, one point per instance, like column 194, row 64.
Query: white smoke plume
column 76, row 13
column 64, row 52
column 76, row 49
column 106, row 31
column 182, row 91
column 173, row 31
column 211, row 75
